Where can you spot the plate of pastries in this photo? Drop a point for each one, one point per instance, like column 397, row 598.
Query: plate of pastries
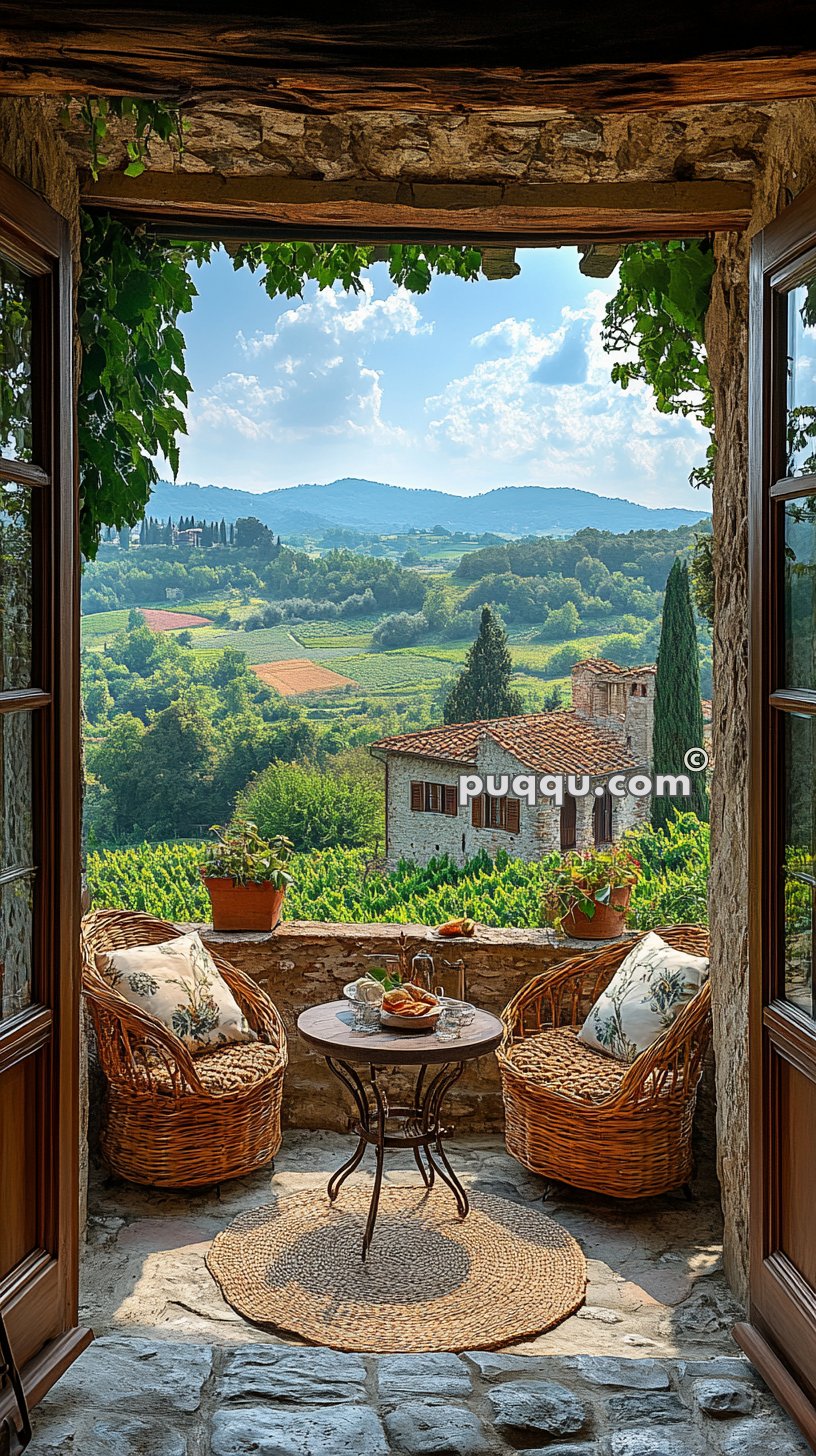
column 410, row 1008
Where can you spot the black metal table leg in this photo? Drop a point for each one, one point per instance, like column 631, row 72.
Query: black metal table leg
column 420, row 1129
column 347, row 1074
column 380, row 1126
column 434, row 1132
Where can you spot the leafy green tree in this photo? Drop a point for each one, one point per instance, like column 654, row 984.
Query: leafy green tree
column 115, row 764
column 561, row 622
column 315, row 810
column 252, row 533
column 678, row 717
column 624, row 648
column 176, row 765
column 702, row 576
column 482, row 689
column 401, row 630
column 561, row 662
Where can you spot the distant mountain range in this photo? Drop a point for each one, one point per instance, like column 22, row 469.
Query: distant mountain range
column 369, row 505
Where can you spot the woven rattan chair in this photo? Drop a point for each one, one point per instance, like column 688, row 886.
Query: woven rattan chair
column 173, row 1120
column 582, row 1118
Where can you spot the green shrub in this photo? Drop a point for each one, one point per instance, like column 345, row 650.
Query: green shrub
column 315, row 810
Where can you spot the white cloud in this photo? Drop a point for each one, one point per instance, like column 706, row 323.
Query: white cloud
column 513, row 407
column 312, row 373
column 339, row 315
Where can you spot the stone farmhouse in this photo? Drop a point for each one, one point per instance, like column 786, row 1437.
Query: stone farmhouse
column 608, row 730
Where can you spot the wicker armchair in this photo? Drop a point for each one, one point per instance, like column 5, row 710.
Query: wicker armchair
column 173, row 1120
column 578, row 1116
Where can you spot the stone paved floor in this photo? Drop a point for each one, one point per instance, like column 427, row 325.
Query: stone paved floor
column 646, row 1368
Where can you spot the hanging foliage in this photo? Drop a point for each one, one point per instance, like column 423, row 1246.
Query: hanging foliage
column 133, row 386
column 148, row 119
column 658, row 315
column 287, row 267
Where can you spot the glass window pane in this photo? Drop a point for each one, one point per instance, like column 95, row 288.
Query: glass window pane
column 800, row 593
column 800, row 858
column 16, row 945
column 16, row 818
column 15, row 362
column 16, row 572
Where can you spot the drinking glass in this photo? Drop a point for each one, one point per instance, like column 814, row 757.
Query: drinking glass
column 365, row 1016
column 449, row 1023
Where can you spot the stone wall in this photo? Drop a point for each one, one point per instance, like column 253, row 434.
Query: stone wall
column 788, row 165
column 305, row 963
column 535, row 145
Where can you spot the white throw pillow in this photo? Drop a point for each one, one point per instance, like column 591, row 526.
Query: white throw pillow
column 643, row 998
column 179, row 983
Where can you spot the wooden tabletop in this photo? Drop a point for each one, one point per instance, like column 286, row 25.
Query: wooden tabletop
column 329, row 1028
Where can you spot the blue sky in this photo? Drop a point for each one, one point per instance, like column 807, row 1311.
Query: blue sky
column 467, row 387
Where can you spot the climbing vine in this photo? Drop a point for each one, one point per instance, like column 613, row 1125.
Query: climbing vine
column 658, row 317
column 148, row 119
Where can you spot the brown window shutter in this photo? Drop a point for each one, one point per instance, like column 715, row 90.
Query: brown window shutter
column 477, row 811
column 417, row 794
column 513, row 818
column 450, row 800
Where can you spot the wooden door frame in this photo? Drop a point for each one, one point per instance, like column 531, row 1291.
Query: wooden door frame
column 44, row 1291
column 774, row 255
column 530, row 217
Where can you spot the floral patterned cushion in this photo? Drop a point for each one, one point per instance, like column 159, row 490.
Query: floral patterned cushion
column 646, row 993
column 179, row 983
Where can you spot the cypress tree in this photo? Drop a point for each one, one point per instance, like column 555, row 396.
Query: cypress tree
column 678, row 716
column 482, row 689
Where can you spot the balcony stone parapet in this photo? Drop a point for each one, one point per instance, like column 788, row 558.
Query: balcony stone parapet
column 304, row 963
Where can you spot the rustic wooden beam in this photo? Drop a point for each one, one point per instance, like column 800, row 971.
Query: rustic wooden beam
column 425, row 56
column 512, row 210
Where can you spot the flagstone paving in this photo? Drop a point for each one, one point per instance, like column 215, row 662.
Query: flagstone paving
column 646, row 1368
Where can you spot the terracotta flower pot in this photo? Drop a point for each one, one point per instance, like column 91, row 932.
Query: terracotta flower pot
column 243, row 907
column 606, row 924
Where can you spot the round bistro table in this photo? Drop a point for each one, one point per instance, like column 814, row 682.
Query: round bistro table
column 417, row 1124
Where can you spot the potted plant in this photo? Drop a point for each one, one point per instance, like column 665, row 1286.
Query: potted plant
column 588, row 895
column 246, row 877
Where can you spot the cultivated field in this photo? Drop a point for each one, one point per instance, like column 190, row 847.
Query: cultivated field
column 163, row 621
column 298, row 675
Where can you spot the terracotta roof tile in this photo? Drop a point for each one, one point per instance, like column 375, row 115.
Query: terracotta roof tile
column 599, row 664
column 560, row 742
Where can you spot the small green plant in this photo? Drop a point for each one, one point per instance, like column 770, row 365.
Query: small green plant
column 589, row 878
column 241, row 854
column 386, row 980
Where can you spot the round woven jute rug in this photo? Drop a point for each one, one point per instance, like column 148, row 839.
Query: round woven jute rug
column 432, row 1281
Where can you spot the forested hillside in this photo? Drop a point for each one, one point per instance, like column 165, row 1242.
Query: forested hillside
column 211, row 651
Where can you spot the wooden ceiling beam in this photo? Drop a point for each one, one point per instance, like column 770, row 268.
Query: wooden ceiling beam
column 440, row 56
column 513, row 210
